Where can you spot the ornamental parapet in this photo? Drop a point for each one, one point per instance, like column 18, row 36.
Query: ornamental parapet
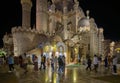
column 24, row 29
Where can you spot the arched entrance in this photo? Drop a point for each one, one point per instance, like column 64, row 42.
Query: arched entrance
column 61, row 50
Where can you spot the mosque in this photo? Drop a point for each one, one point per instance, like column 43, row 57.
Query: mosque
column 61, row 28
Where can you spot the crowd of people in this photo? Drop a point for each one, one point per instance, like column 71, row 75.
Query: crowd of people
column 109, row 62
column 58, row 63
column 55, row 63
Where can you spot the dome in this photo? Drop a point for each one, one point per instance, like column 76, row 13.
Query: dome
column 83, row 22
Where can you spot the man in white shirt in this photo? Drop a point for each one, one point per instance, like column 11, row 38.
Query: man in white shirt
column 95, row 62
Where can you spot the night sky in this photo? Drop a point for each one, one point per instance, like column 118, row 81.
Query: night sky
column 105, row 12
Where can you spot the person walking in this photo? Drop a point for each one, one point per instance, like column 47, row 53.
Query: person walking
column 60, row 64
column 43, row 60
column 52, row 62
column 25, row 63
column 11, row 63
column 89, row 62
column 106, row 62
column 21, row 61
column 64, row 62
column 1, row 61
column 109, row 62
column 35, row 63
column 56, row 63
column 114, row 62
column 95, row 62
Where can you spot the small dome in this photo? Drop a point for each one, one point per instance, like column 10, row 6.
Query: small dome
column 83, row 22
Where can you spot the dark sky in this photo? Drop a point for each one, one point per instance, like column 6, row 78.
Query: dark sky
column 105, row 12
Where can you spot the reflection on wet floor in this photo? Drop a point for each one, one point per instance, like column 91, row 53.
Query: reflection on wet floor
column 71, row 75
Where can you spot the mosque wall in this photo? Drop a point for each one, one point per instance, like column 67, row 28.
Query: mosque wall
column 26, row 39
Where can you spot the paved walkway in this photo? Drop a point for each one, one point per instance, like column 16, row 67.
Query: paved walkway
column 71, row 75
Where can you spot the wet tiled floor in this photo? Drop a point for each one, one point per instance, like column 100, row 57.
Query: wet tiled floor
column 71, row 75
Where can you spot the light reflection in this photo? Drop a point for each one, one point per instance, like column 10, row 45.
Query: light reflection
column 54, row 78
column 46, row 77
column 65, row 72
column 74, row 76
column 51, row 76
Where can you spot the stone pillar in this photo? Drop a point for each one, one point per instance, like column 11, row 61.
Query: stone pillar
column 76, row 8
column 41, row 15
column 101, row 41
column 26, row 12
column 91, row 43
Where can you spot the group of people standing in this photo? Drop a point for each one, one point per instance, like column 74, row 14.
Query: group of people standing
column 23, row 62
column 54, row 62
column 109, row 63
column 94, row 62
column 8, row 60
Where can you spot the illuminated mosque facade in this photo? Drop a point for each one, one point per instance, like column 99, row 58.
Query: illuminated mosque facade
column 61, row 28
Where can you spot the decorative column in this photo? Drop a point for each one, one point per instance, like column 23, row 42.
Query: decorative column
column 100, row 41
column 41, row 15
column 26, row 13
column 76, row 8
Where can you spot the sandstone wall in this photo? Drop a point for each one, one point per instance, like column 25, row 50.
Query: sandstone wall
column 25, row 40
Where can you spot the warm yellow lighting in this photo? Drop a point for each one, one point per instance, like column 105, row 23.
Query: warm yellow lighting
column 66, row 72
column 46, row 49
column 76, row 50
column 117, row 50
column 74, row 76
column 46, row 77
column 55, row 79
column 53, row 48
column 50, row 75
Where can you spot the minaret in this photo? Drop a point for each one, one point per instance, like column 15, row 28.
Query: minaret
column 26, row 13
column 100, row 41
column 41, row 15
column 76, row 8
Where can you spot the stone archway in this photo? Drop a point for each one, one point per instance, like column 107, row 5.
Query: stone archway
column 62, row 50
column 61, row 47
